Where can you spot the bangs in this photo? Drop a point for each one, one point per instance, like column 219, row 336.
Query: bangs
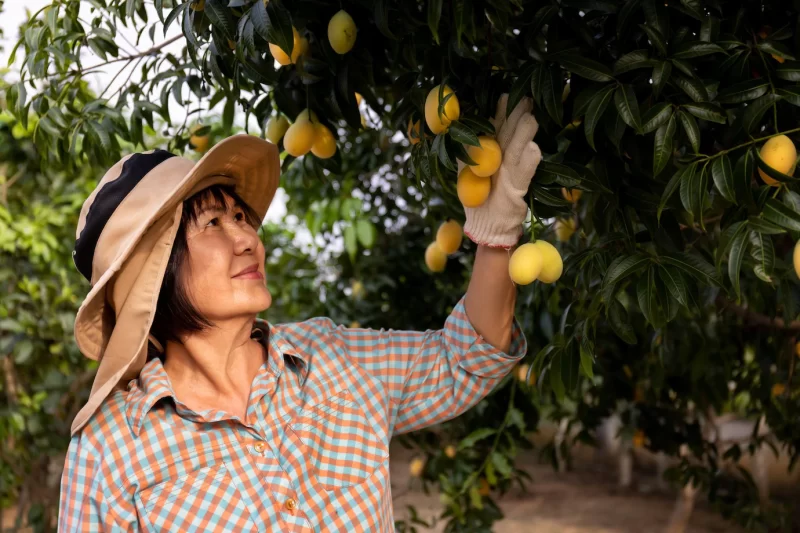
column 216, row 198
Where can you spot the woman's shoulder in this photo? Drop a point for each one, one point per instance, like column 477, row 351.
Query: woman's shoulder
column 108, row 426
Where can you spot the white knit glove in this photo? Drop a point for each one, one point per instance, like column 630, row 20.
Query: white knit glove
column 498, row 221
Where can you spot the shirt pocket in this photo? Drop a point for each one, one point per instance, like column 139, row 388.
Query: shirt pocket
column 338, row 441
column 205, row 499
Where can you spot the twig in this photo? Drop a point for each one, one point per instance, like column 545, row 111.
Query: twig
column 148, row 52
column 758, row 319
column 748, row 143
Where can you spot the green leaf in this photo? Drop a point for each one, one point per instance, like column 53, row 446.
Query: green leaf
column 221, row 17
column 570, row 371
column 597, row 107
column 648, row 299
column 672, row 186
column 434, row 14
column 662, row 147
column 676, row 284
column 738, row 249
column 776, row 49
column 692, row 87
column 742, row 175
column 556, row 383
column 656, row 39
column 657, row 115
column 463, row 14
column 625, row 15
column 439, row 147
column 279, row 23
column 627, row 106
column 460, row 132
column 381, row 14
column 706, row 111
column 618, row 318
column 350, row 242
column 690, row 128
column 520, row 87
column 763, row 253
column 789, row 94
column 621, row 268
column 660, row 76
column 789, row 71
column 584, row 67
column 587, row 360
column 693, row 192
column 552, row 90
column 366, row 232
column 743, row 91
column 548, row 172
column 722, row 173
column 475, row 498
column 477, row 435
column 693, row 265
column 780, row 214
column 634, row 60
column 477, row 124
column 762, row 226
column 501, row 464
column 755, row 110
column 696, row 49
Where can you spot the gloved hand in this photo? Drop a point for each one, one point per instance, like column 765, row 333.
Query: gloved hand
column 498, row 221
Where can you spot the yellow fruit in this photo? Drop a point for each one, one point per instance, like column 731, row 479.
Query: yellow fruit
column 416, row 467
column 199, row 5
column 779, row 59
column 435, row 258
column 342, row 32
column 571, row 195
column 472, row 190
column 796, row 259
column 357, row 289
column 522, row 372
column 199, row 142
column 231, row 44
column 565, row 227
column 450, row 451
column 448, row 236
column 552, row 265
column 525, row 264
column 355, row 324
column 638, row 439
column 484, row 487
column 488, row 157
column 779, row 153
column 281, row 56
column 627, row 371
column 325, row 143
column 778, row 389
column 438, row 123
column 276, row 128
column 413, row 132
column 305, row 114
column 359, row 98
column 300, row 138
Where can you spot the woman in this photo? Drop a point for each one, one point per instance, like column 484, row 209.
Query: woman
column 202, row 418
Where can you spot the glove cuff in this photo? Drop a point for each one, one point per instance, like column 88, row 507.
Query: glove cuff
column 495, row 229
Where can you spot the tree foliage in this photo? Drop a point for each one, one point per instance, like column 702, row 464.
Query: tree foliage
column 679, row 298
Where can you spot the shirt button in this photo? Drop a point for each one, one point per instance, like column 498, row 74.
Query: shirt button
column 259, row 447
column 291, row 504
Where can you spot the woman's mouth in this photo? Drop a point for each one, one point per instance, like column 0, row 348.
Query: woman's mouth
column 250, row 272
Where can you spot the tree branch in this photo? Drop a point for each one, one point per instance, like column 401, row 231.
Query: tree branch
column 148, row 52
column 757, row 319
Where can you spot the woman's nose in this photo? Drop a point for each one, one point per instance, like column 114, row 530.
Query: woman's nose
column 245, row 239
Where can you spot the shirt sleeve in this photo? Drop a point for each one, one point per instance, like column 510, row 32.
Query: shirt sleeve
column 83, row 505
column 433, row 375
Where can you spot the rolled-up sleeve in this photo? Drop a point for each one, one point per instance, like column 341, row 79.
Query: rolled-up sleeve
column 433, row 375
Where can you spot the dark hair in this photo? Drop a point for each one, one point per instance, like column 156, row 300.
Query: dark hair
column 175, row 314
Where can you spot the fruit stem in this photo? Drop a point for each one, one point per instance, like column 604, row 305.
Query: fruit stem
column 748, row 143
column 533, row 226
column 308, row 106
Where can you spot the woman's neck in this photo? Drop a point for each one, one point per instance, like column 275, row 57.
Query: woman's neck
column 214, row 369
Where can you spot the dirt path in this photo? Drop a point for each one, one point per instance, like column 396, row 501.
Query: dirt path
column 574, row 502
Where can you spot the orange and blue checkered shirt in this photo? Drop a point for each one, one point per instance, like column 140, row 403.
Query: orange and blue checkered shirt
column 312, row 453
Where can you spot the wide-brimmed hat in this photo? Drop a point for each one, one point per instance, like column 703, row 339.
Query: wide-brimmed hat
column 124, row 240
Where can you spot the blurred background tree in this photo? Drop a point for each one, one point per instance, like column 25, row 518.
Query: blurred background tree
column 679, row 300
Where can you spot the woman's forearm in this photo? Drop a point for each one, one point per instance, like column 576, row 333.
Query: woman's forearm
column 491, row 296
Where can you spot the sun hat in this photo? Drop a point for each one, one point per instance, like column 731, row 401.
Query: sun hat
column 124, row 238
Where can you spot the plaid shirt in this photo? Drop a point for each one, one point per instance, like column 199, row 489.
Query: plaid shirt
column 312, row 453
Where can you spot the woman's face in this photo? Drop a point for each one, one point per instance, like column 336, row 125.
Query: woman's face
column 224, row 274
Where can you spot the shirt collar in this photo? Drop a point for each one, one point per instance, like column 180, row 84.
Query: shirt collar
column 153, row 383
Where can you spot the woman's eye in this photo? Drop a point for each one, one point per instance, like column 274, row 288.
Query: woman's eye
column 239, row 217
column 213, row 222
